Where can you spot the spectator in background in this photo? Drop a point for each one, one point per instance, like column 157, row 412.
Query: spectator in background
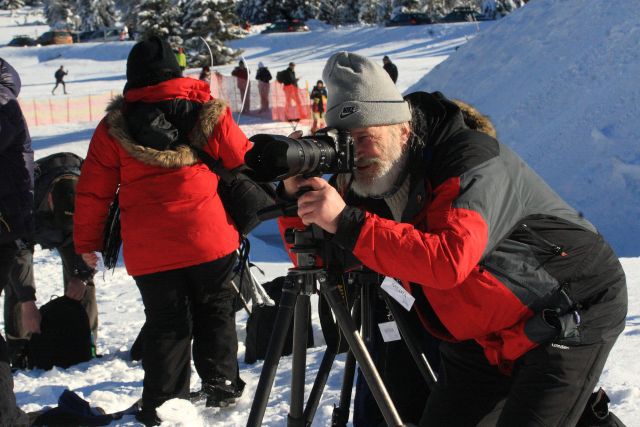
column 390, row 68
column 178, row 242
column 59, row 76
column 263, row 75
column 182, row 59
column 241, row 73
column 205, row 75
column 56, row 177
column 318, row 106
column 291, row 94
column 16, row 227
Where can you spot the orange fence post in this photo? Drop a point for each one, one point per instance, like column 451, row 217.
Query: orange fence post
column 90, row 110
column 35, row 112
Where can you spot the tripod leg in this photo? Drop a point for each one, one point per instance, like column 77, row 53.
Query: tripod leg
column 349, row 329
column 290, row 292
column 318, row 386
column 419, row 356
column 299, row 361
column 340, row 414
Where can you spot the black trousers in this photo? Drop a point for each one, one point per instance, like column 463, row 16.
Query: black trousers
column 10, row 414
column 193, row 302
column 550, row 386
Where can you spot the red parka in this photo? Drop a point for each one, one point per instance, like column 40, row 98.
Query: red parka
column 170, row 210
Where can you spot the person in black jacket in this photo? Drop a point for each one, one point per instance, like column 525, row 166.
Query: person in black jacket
column 291, row 94
column 59, row 75
column 318, row 106
column 525, row 295
column 263, row 75
column 56, row 177
column 390, row 68
column 16, row 226
column 241, row 73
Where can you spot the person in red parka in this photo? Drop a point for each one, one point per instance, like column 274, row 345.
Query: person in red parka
column 179, row 244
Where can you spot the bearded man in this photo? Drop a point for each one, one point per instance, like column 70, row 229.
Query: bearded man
column 525, row 294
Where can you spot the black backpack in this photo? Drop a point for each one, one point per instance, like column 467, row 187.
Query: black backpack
column 65, row 337
column 281, row 77
column 260, row 325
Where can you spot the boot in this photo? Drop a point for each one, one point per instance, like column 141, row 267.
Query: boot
column 218, row 392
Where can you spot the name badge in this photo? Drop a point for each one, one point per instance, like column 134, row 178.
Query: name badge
column 389, row 331
column 398, row 293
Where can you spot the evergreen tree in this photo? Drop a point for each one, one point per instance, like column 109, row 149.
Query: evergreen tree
column 160, row 18
column 368, row 12
column 11, row 4
column 129, row 11
column 213, row 21
column 61, row 14
column 253, row 11
column 339, row 12
column 95, row 14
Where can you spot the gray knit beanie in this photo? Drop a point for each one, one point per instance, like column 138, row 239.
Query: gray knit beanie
column 361, row 94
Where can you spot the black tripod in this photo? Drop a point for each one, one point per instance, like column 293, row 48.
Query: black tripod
column 299, row 285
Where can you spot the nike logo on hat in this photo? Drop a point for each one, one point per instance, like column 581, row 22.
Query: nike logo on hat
column 348, row 110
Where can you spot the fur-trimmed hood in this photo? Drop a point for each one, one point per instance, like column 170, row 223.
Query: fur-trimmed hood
column 475, row 120
column 182, row 155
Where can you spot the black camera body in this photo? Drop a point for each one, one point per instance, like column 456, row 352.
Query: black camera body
column 277, row 157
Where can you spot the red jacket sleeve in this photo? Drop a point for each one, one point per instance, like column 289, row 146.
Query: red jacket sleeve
column 96, row 190
column 228, row 142
column 440, row 258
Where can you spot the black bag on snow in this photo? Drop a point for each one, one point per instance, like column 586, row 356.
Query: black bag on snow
column 242, row 197
column 65, row 337
column 260, row 325
column 280, row 76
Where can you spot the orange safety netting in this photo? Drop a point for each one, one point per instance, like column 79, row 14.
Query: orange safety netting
column 278, row 102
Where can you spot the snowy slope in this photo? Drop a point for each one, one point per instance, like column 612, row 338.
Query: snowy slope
column 113, row 382
column 560, row 82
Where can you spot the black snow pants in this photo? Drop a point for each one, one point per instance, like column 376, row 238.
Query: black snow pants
column 10, row 414
column 192, row 302
column 550, row 386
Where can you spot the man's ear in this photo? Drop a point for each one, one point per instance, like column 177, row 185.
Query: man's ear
column 405, row 131
column 50, row 200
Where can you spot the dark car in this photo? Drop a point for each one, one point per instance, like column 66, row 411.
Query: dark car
column 294, row 25
column 106, row 35
column 462, row 14
column 409, row 19
column 55, row 37
column 22, row 41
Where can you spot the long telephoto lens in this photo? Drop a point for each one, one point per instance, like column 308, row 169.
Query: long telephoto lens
column 276, row 157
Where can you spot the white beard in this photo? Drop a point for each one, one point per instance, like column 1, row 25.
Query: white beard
column 384, row 180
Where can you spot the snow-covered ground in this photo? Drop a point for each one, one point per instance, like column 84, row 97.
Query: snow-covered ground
column 558, row 80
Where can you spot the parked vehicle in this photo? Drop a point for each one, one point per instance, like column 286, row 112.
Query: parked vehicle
column 293, row 25
column 21, row 41
column 55, row 37
column 462, row 14
column 106, row 35
column 409, row 19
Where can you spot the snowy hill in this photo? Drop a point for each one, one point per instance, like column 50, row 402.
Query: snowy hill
column 556, row 78
column 560, row 82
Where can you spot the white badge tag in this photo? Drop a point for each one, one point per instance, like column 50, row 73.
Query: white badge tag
column 389, row 331
column 397, row 292
column 100, row 263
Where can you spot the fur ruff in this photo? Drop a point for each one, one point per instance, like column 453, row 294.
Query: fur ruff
column 183, row 155
column 475, row 120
